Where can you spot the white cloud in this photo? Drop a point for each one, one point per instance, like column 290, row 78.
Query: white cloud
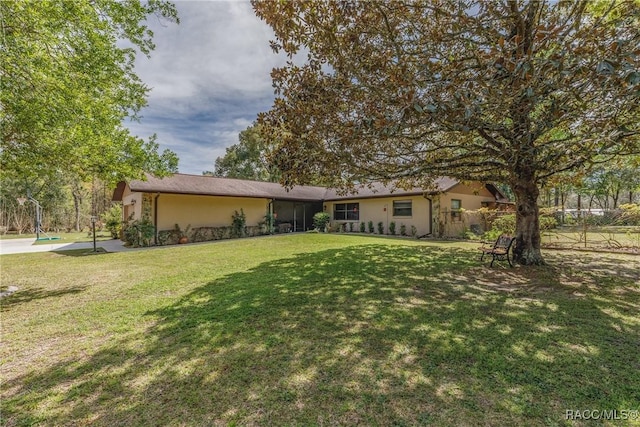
column 210, row 77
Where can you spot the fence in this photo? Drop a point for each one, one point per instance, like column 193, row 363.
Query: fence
column 617, row 230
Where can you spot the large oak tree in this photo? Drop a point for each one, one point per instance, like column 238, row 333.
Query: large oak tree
column 510, row 91
column 68, row 83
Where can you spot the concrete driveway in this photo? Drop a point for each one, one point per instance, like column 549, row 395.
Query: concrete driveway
column 21, row 246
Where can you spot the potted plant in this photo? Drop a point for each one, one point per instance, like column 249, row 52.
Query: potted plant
column 183, row 236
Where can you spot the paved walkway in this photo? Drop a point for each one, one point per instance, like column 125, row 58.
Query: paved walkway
column 21, row 246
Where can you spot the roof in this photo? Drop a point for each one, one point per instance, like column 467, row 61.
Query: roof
column 378, row 189
column 217, row 186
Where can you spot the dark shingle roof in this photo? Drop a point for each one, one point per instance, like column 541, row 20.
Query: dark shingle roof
column 378, row 189
column 217, row 186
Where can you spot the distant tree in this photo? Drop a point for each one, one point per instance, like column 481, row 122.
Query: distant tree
column 67, row 202
column 511, row 91
column 247, row 159
column 68, row 82
column 608, row 184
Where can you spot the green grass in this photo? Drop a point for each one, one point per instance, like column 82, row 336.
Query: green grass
column 315, row 329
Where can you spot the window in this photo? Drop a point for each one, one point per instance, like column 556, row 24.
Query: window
column 456, row 206
column 402, row 208
column 346, row 211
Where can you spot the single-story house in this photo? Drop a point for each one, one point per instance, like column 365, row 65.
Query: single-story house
column 207, row 201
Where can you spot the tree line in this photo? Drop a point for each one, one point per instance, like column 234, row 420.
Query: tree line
column 67, row 205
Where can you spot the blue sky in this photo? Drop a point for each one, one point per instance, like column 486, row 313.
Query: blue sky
column 210, row 77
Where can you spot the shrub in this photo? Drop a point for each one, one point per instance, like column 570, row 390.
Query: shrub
column 507, row 224
column 335, row 227
column 491, row 235
column 548, row 223
column 414, row 231
column 629, row 214
column 370, row 224
column 351, row 227
column 403, row 230
column 139, row 232
column 113, row 220
column 392, row 228
column 238, row 224
column 269, row 223
column 362, row 227
column 320, row 221
column 470, row 235
column 380, row 227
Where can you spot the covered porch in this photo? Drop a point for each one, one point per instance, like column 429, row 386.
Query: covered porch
column 291, row 215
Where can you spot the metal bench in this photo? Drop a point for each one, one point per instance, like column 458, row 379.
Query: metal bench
column 499, row 250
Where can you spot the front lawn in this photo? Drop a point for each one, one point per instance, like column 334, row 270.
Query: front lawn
column 315, row 329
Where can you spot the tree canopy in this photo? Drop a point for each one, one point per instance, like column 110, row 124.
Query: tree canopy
column 247, row 159
column 68, row 83
column 511, row 91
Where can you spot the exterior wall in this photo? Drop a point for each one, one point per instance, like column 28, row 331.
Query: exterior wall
column 471, row 197
column 131, row 204
column 207, row 211
column 381, row 210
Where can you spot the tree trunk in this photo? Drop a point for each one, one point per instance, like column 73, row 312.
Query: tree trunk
column 527, row 246
column 77, row 203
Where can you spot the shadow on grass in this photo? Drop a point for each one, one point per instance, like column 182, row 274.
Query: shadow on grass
column 23, row 296
column 82, row 252
column 365, row 335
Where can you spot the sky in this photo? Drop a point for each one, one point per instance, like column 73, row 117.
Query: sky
column 209, row 78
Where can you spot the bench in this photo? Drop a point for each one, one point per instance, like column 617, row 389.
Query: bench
column 499, row 250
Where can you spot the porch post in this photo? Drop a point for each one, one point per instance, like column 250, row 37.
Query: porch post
column 271, row 217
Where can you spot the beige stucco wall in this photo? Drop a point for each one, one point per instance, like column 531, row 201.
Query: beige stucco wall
column 131, row 204
column 207, row 211
column 381, row 209
column 471, row 197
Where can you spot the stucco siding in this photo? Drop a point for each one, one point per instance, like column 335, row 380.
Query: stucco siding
column 471, row 196
column 381, row 210
column 207, row 211
column 448, row 222
column 131, row 204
